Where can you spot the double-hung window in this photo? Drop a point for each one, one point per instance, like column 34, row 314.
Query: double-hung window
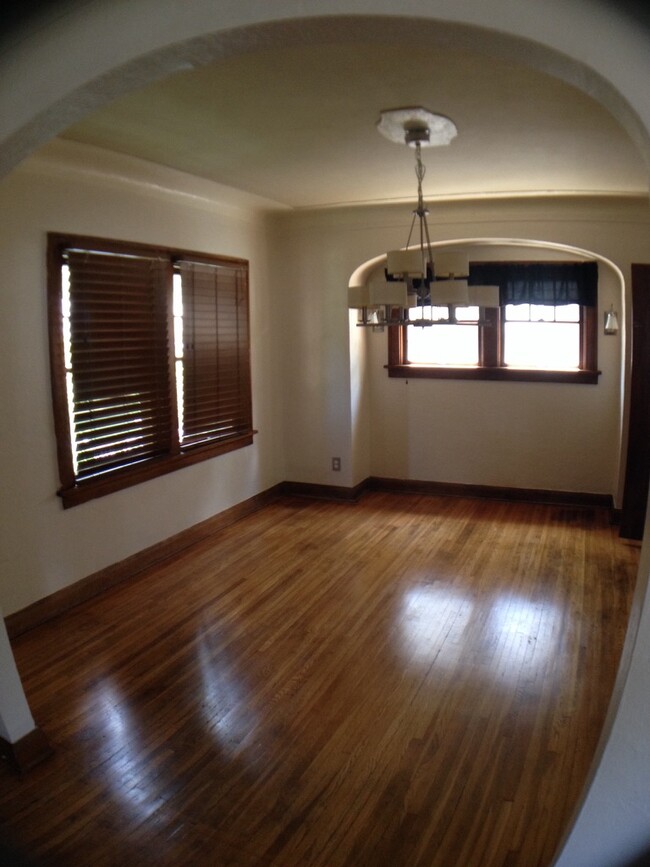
column 150, row 361
column 543, row 330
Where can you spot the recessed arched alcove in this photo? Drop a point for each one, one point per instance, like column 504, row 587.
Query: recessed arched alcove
column 408, row 426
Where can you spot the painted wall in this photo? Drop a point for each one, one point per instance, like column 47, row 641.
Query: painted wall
column 315, row 379
column 43, row 546
column 15, row 716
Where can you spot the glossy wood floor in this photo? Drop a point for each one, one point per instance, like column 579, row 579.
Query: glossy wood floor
column 407, row 681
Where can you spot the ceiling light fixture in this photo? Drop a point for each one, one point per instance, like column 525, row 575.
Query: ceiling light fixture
column 412, row 277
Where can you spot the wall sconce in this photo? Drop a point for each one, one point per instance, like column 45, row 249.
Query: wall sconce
column 611, row 321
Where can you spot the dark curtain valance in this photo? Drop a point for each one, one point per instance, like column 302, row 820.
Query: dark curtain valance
column 539, row 282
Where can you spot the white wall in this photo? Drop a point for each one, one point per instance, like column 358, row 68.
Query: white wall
column 15, row 715
column 83, row 190
column 360, row 408
column 310, row 278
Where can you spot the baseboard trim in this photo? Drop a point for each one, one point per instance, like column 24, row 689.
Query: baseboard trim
column 489, row 492
column 616, row 516
column 32, row 749
column 323, row 492
column 68, row 597
column 446, row 489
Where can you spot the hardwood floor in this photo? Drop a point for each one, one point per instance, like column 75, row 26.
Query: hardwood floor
column 410, row 680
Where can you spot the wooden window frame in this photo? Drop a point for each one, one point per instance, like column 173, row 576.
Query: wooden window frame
column 490, row 366
column 74, row 491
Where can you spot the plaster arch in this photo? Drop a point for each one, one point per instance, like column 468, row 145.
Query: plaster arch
column 57, row 75
column 363, row 272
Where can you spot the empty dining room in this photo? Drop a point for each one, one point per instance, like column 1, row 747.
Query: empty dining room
column 324, row 431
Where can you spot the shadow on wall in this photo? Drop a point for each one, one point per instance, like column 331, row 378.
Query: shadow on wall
column 640, row 11
column 642, row 860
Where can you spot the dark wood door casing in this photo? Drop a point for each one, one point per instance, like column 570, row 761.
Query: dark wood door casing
column 637, row 470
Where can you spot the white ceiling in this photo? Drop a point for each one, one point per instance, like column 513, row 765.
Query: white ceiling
column 298, row 126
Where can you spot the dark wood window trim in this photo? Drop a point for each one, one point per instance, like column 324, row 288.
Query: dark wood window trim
column 490, row 354
column 167, row 454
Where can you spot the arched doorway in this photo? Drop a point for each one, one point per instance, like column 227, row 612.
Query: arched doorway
column 130, row 53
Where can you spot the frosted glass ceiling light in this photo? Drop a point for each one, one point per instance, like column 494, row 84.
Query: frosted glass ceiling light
column 452, row 264
column 483, row 296
column 445, row 292
column 417, row 277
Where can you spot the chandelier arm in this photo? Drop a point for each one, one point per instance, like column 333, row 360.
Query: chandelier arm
column 422, row 211
column 420, row 171
column 428, row 239
column 424, row 255
column 408, row 240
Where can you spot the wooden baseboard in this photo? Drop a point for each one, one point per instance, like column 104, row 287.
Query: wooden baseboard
column 66, row 598
column 323, row 492
column 446, row 489
column 27, row 752
column 615, row 516
column 489, row 492
column 84, row 589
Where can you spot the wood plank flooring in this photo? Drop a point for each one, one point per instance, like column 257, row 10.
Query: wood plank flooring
column 409, row 680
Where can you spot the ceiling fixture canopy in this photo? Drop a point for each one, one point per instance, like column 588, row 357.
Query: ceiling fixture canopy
column 413, row 126
column 412, row 277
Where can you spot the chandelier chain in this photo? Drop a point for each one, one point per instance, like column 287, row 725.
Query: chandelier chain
column 420, row 171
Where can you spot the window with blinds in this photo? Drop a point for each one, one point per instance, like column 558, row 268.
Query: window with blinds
column 215, row 368
column 150, row 356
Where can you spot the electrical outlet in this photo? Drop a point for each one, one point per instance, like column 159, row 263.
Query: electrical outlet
column 336, row 464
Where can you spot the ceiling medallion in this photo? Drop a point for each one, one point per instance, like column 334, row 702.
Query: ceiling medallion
column 416, row 124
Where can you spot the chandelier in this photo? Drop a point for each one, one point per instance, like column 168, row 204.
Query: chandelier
column 413, row 276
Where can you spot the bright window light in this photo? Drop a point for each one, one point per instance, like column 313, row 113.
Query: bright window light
column 451, row 345
column 541, row 336
column 177, row 304
column 66, row 312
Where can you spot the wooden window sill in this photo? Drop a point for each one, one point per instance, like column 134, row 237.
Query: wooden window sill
column 498, row 374
column 134, row 475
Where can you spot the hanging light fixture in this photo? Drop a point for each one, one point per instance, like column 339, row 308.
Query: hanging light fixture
column 412, row 277
column 611, row 321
